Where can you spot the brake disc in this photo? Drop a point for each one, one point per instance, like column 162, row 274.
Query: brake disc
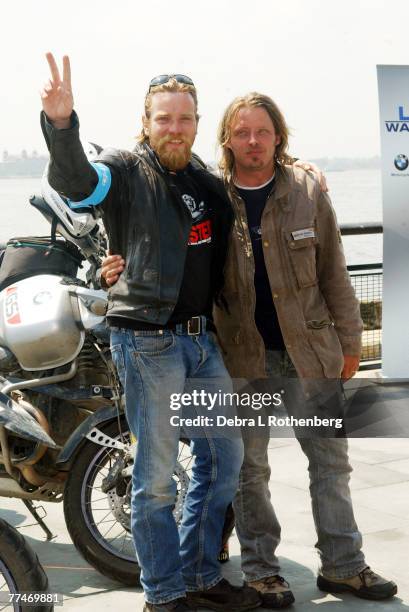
column 182, row 480
column 120, row 505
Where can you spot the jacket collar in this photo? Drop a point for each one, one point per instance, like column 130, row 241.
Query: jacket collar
column 196, row 168
column 149, row 155
column 283, row 184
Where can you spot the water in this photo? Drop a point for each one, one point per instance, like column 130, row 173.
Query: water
column 17, row 217
column 355, row 194
column 357, row 198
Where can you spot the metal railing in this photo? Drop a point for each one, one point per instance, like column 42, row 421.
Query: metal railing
column 367, row 280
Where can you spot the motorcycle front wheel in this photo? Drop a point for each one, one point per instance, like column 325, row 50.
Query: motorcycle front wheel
column 99, row 522
column 21, row 574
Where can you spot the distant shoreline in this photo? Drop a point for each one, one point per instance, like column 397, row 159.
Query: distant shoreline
column 322, row 167
column 341, row 164
column 35, row 168
column 21, row 176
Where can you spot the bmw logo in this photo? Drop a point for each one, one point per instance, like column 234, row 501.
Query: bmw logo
column 401, row 162
column 42, row 298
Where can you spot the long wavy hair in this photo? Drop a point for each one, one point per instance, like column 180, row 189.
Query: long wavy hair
column 172, row 86
column 251, row 100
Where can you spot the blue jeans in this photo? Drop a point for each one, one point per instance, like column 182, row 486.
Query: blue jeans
column 152, row 366
column 258, row 529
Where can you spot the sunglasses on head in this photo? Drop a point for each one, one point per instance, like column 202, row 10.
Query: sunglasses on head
column 164, row 78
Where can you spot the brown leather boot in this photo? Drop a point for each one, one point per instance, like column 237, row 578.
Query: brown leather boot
column 366, row 584
column 274, row 592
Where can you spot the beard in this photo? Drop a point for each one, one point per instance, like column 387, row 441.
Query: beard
column 255, row 159
column 256, row 163
column 172, row 159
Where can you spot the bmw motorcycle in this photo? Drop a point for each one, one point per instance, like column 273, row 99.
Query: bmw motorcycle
column 56, row 367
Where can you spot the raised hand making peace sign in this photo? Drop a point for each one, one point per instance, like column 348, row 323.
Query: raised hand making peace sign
column 56, row 96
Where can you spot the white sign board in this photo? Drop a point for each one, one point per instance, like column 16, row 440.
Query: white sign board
column 393, row 86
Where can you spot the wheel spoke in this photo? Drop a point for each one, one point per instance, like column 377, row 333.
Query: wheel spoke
column 101, row 509
column 119, row 534
column 94, row 501
column 186, row 466
column 104, row 535
column 114, row 520
column 101, row 467
column 107, row 514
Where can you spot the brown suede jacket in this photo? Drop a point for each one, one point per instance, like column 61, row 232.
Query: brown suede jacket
column 316, row 305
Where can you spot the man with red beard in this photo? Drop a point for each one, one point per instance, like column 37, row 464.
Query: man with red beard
column 170, row 219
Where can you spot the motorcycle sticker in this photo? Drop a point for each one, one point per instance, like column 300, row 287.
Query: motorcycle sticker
column 11, row 306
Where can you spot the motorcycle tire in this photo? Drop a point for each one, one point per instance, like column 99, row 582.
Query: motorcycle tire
column 81, row 523
column 83, row 527
column 20, row 569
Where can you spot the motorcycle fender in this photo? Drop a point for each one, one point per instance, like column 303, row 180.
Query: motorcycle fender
column 78, row 438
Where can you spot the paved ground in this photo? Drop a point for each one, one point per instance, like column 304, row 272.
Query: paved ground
column 380, row 486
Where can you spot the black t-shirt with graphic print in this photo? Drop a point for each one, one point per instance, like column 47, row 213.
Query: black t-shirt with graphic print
column 266, row 316
column 196, row 292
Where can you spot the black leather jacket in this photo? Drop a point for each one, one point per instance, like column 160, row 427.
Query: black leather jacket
column 145, row 218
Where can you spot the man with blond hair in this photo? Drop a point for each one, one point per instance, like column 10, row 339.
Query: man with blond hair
column 291, row 314
column 170, row 219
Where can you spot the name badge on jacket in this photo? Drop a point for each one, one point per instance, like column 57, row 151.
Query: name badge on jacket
column 303, row 233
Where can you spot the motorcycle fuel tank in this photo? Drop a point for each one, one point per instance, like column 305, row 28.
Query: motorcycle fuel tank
column 40, row 322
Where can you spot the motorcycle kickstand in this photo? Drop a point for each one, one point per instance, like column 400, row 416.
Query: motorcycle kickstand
column 33, row 511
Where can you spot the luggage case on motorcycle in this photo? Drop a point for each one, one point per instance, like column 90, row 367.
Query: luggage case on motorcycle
column 29, row 256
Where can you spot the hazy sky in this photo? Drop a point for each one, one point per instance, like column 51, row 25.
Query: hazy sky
column 316, row 58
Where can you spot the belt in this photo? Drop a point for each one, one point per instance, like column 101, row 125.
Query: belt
column 193, row 327
column 196, row 326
